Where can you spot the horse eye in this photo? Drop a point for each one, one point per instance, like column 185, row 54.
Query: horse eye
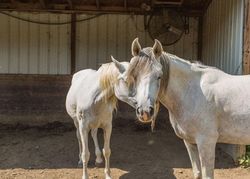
column 158, row 78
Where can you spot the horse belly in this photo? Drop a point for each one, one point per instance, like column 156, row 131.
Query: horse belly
column 235, row 131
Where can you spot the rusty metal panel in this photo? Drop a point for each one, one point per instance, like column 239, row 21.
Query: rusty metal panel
column 107, row 35
column 30, row 48
column 223, row 35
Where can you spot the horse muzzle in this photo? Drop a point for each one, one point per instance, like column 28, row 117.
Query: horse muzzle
column 145, row 116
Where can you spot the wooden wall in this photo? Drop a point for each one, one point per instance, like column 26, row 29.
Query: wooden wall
column 37, row 99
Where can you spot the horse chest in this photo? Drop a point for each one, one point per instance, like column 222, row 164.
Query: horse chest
column 181, row 129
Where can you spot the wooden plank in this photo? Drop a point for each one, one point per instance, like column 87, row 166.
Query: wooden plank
column 33, row 94
column 33, row 99
column 73, row 43
column 246, row 52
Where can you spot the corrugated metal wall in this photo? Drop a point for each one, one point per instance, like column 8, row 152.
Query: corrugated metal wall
column 28, row 48
column 223, row 34
column 113, row 34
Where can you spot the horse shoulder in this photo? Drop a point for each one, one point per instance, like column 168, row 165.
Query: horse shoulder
column 210, row 80
column 83, row 89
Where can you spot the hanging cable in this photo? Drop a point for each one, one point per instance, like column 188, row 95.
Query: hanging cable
column 50, row 23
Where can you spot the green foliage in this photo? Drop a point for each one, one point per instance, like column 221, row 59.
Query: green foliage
column 245, row 160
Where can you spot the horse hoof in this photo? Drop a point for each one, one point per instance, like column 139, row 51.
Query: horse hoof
column 98, row 164
column 198, row 176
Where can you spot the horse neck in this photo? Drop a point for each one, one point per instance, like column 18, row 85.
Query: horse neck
column 179, row 74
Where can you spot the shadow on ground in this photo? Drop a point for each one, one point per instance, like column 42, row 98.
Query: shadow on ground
column 134, row 149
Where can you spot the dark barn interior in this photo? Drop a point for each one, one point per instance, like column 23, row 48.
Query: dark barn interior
column 37, row 137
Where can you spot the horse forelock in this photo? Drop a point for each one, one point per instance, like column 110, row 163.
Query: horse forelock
column 144, row 63
column 108, row 79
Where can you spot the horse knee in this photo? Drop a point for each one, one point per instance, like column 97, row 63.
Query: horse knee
column 85, row 157
column 98, row 153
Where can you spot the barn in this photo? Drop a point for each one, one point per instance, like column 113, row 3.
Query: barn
column 42, row 43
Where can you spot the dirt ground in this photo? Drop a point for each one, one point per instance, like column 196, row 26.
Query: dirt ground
column 52, row 153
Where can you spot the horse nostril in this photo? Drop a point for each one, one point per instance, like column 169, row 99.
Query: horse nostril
column 137, row 110
column 151, row 111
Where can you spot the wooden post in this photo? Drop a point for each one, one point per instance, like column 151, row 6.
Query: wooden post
column 73, row 43
column 199, row 48
column 246, row 45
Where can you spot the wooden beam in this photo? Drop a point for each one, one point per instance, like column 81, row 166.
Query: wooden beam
column 200, row 30
column 73, row 43
column 42, row 3
column 162, row 2
column 206, row 5
column 70, row 4
column 62, row 8
column 125, row 4
column 97, row 4
column 13, row 3
column 246, row 41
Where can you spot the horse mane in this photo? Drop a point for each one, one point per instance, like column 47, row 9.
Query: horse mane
column 141, row 61
column 108, row 79
column 145, row 60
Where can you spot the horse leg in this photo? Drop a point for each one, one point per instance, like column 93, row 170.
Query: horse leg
column 98, row 153
column 194, row 157
column 79, row 142
column 206, row 147
column 85, row 150
column 106, row 150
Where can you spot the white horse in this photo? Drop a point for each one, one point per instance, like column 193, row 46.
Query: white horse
column 90, row 102
column 205, row 104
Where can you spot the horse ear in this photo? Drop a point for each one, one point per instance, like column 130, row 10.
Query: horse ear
column 157, row 48
column 118, row 65
column 136, row 47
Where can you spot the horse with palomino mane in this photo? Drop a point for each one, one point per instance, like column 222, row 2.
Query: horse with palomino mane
column 205, row 104
column 90, row 102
